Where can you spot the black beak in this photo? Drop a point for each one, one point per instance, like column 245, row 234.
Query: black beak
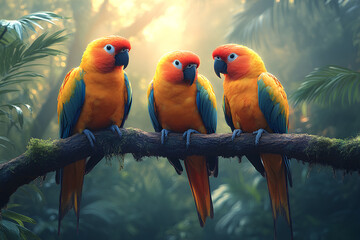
column 190, row 73
column 220, row 67
column 122, row 58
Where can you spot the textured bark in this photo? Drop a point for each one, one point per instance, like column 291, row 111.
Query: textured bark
column 46, row 156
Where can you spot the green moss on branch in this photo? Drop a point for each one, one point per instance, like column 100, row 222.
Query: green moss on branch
column 39, row 149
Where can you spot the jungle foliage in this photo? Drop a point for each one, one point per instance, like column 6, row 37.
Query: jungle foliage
column 148, row 199
column 18, row 59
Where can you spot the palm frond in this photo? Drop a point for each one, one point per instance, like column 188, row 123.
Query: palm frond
column 329, row 84
column 16, row 66
column 16, row 58
column 17, row 217
column 5, row 142
column 12, row 30
column 248, row 23
column 259, row 18
column 12, row 226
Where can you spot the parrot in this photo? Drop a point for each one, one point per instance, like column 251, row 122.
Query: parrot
column 182, row 101
column 254, row 101
column 93, row 96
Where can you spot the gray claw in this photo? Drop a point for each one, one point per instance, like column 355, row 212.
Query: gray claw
column 115, row 129
column 164, row 134
column 258, row 135
column 187, row 134
column 236, row 133
column 90, row 136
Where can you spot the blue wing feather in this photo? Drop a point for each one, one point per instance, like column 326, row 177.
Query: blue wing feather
column 227, row 113
column 72, row 109
column 274, row 116
column 206, row 109
column 152, row 110
column 271, row 109
column 208, row 113
column 128, row 103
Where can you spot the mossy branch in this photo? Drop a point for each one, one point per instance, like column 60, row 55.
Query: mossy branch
column 43, row 156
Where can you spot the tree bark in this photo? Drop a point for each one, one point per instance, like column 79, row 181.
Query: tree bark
column 45, row 156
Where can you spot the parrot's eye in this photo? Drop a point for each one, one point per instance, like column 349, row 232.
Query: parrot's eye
column 191, row 65
column 232, row 57
column 109, row 48
column 217, row 58
column 177, row 64
column 124, row 50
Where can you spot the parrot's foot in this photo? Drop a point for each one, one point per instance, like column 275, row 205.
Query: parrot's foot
column 115, row 129
column 90, row 136
column 258, row 135
column 187, row 134
column 236, row 133
column 164, row 134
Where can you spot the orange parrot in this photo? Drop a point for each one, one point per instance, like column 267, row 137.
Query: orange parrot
column 93, row 96
column 255, row 101
column 181, row 100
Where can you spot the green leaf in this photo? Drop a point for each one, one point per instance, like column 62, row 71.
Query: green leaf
column 11, row 30
column 28, row 107
column 261, row 22
column 4, row 139
column 17, row 55
column 27, row 234
column 5, row 91
column 10, row 229
column 12, row 205
column 19, row 112
column 329, row 84
column 19, row 218
column 5, row 142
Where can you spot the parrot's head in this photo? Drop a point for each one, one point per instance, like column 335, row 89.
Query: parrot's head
column 237, row 61
column 105, row 54
column 178, row 67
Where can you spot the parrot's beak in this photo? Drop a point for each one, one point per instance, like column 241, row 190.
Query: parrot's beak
column 122, row 58
column 190, row 73
column 220, row 67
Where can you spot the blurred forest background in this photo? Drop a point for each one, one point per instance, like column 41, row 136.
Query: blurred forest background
column 311, row 46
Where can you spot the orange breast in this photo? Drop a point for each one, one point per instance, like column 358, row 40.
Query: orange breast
column 104, row 101
column 244, row 104
column 176, row 107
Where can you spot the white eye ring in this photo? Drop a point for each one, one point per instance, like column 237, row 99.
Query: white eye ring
column 110, row 49
column 217, row 58
column 177, row 64
column 124, row 50
column 232, row 57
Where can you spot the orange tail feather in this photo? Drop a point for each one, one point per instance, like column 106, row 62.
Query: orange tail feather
column 199, row 183
column 72, row 178
column 276, row 177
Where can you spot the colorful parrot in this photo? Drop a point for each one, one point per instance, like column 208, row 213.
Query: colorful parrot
column 93, row 96
column 255, row 101
column 181, row 100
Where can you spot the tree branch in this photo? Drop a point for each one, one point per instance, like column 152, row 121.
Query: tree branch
column 45, row 156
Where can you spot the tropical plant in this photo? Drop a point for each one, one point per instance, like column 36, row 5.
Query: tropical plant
column 260, row 18
column 12, row 225
column 12, row 30
column 329, row 84
column 17, row 61
column 18, row 57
